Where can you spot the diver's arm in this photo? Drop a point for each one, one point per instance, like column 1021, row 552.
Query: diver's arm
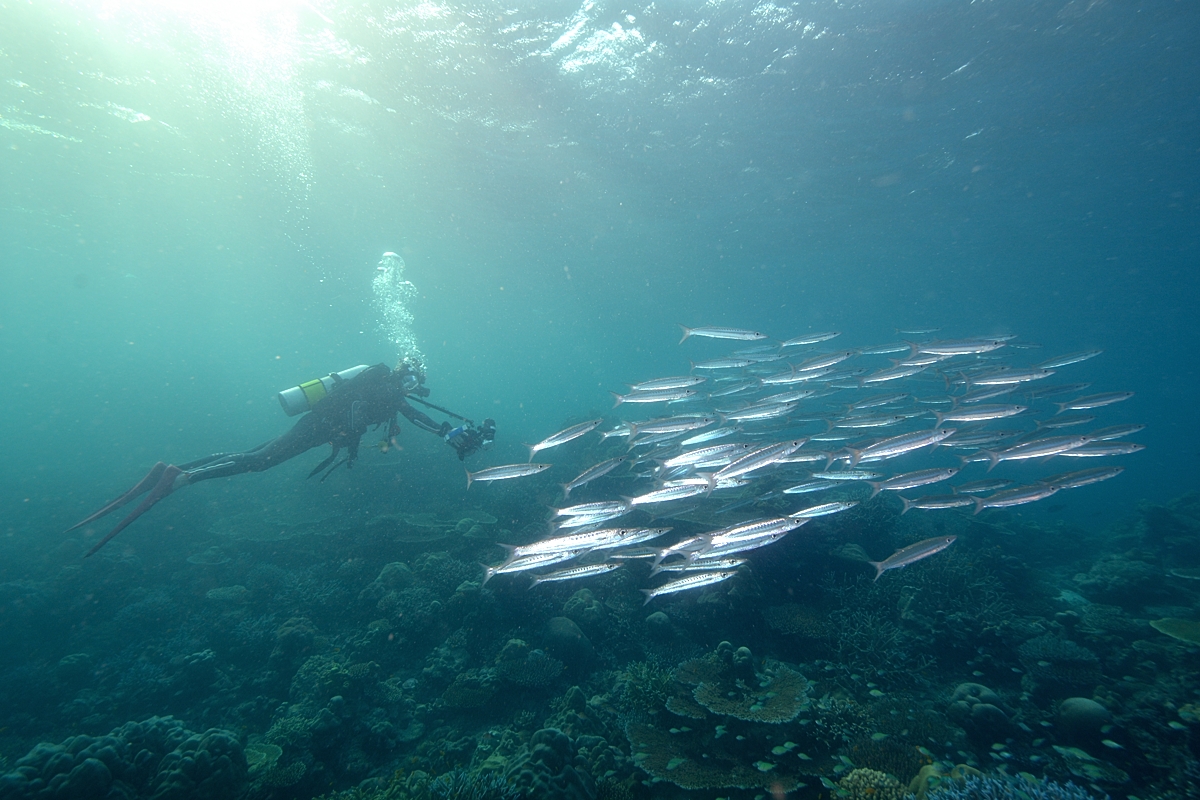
column 421, row 420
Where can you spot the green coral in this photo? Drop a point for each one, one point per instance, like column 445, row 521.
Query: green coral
column 870, row 784
column 777, row 694
column 228, row 594
column 262, row 756
column 692, row 764
column 470, row 689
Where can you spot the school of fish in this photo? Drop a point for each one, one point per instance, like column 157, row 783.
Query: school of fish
column 797, row 417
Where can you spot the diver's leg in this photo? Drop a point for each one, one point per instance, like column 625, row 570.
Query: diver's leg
column 164, row 486
column 144, row 485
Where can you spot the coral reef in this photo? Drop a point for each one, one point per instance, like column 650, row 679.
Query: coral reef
column 870, row 784
column 991, row 787
column 1057, row 666
column 156, row 758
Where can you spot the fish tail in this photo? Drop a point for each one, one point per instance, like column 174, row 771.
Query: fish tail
column 855, row 455
column 878, row 565
column 686, row 333
column 488, row 572
column 875, row 488
column 940, row 419
column 532, row 452
column 618, row 399
column 907, row 505
column 1061, row 408
column 649, row 596
column 978, row 504
column 566, row 487
column 470, row 477
column 536, row 580
column 993, row 459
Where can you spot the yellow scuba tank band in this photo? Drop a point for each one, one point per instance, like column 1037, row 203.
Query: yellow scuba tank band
column 314, row 391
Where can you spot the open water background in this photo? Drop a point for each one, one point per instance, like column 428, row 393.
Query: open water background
column 194, row 198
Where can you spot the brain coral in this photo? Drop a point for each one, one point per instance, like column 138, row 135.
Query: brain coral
column 156, row 758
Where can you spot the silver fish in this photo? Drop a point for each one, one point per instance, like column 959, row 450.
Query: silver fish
column 812, row 338
column 937, row 502
column 962, row 347
column 911, row 480
column 1038, row 448
column 759, row 412
column 673, row 425
column 1093, row 401
column 847, row 475
column 979, row 413
column 885, row 349
column 653, row 396
column 879, row 400
column 715, row 332
column 987, row 485
column 753, row 530
column 1054, row 423
column 722, row 363
column 592, row 509
column 526, row 563
column 1070, row 358
column 701, row 564
column 785, row 397
column 736, row 388
column 794, row 377
column 506, row 472
column 877, row 421
column 1083, row 477
column 1115, row 432
column 708, row 436
column 892, row 374
column 582, row 542
column 822, row 510
column 705, row 453
column 1015, row 497
column 745, row 545
column 573, row 573
column 986, row 393
column 820, row 362
column 809, row 487
column 688, row 582
column 670, row 493
column 1008, row 376
column 899, row 445
column 676, row 382
column 563, row 436
column 978, row 438
column 1102, row 450
column 757, row 459
column 914, row 552
column 591, row 473
column 1053, row 391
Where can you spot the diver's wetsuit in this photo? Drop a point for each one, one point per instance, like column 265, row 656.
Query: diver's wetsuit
column 372, row 397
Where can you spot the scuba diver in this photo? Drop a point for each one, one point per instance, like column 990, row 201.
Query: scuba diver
column 340, row 406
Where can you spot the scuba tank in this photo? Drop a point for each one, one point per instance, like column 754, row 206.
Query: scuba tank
column 299, row 399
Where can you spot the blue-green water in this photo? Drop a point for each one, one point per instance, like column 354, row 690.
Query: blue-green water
column 194, row 198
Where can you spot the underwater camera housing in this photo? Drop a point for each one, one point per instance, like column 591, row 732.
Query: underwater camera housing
column 299, row 399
